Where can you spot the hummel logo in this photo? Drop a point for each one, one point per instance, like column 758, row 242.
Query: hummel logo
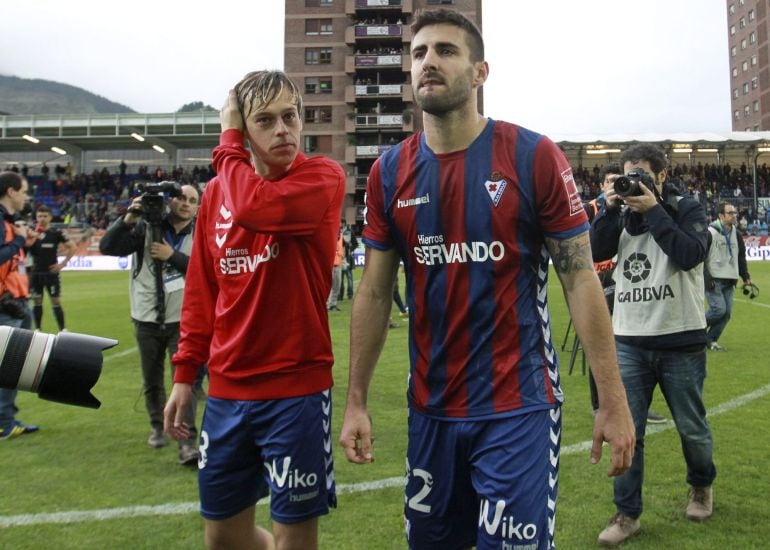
column 226, row 214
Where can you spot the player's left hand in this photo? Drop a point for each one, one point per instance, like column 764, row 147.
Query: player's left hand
column 614, row 425
column 56, row 268
column 161, row 251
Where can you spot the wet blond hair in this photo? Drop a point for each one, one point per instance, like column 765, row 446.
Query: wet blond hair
column 259, row 88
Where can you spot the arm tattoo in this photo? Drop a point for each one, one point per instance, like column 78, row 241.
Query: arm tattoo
column 570, row 255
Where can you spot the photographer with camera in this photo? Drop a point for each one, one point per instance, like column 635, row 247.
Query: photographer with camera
column 725, row 263
column 661, row 242
column 160, row 243
column 14, row 286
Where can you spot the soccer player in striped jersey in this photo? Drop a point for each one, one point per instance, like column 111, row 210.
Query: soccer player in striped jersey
column 476, row 208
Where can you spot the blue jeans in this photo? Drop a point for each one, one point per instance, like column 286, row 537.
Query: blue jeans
column 720, row 307
column 8, row 408
column 681, row 376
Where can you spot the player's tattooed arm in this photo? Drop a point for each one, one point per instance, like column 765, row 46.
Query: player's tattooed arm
column 570, row 255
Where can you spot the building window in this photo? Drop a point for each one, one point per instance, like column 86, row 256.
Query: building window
column 736, row 114
column 746, row 110
column 745, row 88
column 756, row 106
column 441, row 2
column 753, row 60
column 745, row 66
column 752, row 15
column 752, row 37
column 735, row 72
column 732, row 30
column 735, row 93
column 741, row 2
column 318, row 3
column 318, row 115
column 318, row 144
column 732, row 9
column 742, row 22
column 733, row 51
column 316, row 56
column 318, row 26
column 754, row 83
column 743, row 44
column 318, row 85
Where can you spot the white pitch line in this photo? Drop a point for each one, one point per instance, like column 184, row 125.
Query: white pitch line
column 192, row 507
column 123, row 353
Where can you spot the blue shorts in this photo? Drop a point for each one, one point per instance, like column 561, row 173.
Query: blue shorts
column 484, row 483
column 281, row 447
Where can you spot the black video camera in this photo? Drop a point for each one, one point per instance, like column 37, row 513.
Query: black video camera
column 153, row 203
column 61, row 368
column 628, row 185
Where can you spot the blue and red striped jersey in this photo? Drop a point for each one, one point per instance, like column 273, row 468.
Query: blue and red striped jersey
column 470, row 227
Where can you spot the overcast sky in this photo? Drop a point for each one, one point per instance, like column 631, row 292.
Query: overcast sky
column 558, row 67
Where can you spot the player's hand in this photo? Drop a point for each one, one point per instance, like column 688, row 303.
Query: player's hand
column 173, row 414
column 20, row 229
column 161, row 251
column 230, row 116
column 56, row 268
column 612, row 199
column 356, row 435
column 614, row 425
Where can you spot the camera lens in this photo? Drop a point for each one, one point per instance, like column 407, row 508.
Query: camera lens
column 623, row 186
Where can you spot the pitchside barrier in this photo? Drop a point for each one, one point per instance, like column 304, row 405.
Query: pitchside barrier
column 88, row 258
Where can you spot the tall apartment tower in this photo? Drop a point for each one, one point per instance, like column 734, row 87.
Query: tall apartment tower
column 748, row 23
column 351, row 59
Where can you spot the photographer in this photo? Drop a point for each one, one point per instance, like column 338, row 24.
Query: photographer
column 661, row 241
column 14, row 311
column 160, row 243
column 726, row 262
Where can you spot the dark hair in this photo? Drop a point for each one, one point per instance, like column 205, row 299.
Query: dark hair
column 264, row 87
column 722, row 206
column 9, row 180
column 444, row 16
column 43, row 208
column 645, row 152
column 610, row 168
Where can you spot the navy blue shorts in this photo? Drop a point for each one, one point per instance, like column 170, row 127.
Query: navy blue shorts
column 281, row 447
column 487, row 483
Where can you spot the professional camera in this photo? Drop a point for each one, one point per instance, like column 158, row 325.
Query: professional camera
column 153, row 203
column 628, row 185
column 61, row 368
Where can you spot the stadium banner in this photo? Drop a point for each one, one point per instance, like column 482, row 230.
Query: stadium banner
column 87, row 256
column 757, row 247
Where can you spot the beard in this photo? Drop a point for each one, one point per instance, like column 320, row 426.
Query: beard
column 454, row 96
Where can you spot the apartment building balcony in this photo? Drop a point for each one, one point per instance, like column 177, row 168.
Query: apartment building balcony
column 353, row 152
column 355, row 183
column 377, row 61
column 379, row 91
column 379, row 122
column 404, row 6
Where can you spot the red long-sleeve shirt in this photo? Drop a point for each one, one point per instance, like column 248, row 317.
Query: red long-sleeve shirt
column 259, row 275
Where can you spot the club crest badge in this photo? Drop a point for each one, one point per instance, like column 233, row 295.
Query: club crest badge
column 495, row 189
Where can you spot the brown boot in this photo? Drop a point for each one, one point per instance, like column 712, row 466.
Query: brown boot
column 701, row 503
column 620, row 528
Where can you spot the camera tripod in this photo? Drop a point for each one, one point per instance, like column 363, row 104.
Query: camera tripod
column 576, row 347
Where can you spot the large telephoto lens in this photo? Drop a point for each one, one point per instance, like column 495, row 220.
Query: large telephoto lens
column 62, row 367
column 625, row 186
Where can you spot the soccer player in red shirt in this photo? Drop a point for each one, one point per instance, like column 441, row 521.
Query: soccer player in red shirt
column 255, row 311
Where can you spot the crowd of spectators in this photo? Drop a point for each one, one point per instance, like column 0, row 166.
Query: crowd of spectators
column 97, row 198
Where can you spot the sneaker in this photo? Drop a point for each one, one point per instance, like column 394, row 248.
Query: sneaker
column 620, row 528
column 157, row 438
column 655, row 418
column 713, row 346
column 404, row 314
column 188, row 454
column 333, row 308
column 16, row 429
column 701, row 503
